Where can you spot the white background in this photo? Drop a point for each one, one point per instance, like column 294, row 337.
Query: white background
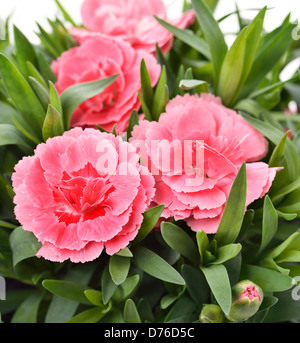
column 25, row 13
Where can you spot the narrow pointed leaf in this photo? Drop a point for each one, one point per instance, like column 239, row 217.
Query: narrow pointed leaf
column 234, row 211
column 218, row 280
column 75, row 95
column 155, row 266
column 213, row 35
column 180, row 241
column 17, row 86
column 151, row 217
column 188, row 38
column 53, row 124
column 270, row 223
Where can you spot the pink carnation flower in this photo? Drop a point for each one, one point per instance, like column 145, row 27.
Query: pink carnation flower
column 209, row 144
column 73, row 195
column 98, row 58
column 131, row 20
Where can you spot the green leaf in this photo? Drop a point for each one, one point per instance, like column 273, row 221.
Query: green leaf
column 24, row 51
column 188, row 38
column 23, row 244
column 198, row 85
column 119, row 268
column 283, row 246
column 62, row 309
column 75, row 95
column 66, row 15
column 269, row 280
column 95, row 297
column 133, row 121
column 179, row 241
column 233, row 214
column 16, row 85
column 44, row 68
column 90, row 316
column 154, row 265
column 161, row 96
column 203, row 243
column 227, row 252
column 273, row 47
column 128, row 286
column 213, row 35
column 275, row 136
column 27, row 312
column 288, row 256
column 131, row 314
column 275, row 159
column 40, row 92
column 147, row 90
column 270, row 223
column 10, row 135
column 53, row 124
column 67, row 289
column 218, row 280
column 107, row 285
column 196, row 284
column 151, row 217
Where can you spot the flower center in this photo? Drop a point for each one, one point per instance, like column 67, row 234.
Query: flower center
column 82, row 198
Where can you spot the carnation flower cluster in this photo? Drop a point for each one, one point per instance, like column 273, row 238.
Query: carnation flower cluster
column 75, row 205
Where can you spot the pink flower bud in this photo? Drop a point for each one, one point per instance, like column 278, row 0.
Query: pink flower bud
column 246, row 300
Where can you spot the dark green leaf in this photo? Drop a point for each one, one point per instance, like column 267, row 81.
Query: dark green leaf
column 90, row 316
column 154, row 265
column 270, row 223
column 27, row 312
column 269, row 280
column 23, row 244
column 151, row 217
column 218, row 280
column 107, row 285
column 119, row 268
column 180, row 241
column 233, row 214
column 67, row 289
column 227, row 252
column 196, row 284
column 134, row 120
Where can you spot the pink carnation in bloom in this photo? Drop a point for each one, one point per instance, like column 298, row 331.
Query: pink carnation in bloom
column 131, row 20
column 195, row 151
column 80, row 193
column 98, row 58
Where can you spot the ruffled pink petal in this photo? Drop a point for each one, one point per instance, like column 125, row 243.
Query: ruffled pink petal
column 208, row 225
column 90, row 252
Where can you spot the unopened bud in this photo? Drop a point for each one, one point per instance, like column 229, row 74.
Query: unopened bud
column 246, row 300
column 211, row 314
